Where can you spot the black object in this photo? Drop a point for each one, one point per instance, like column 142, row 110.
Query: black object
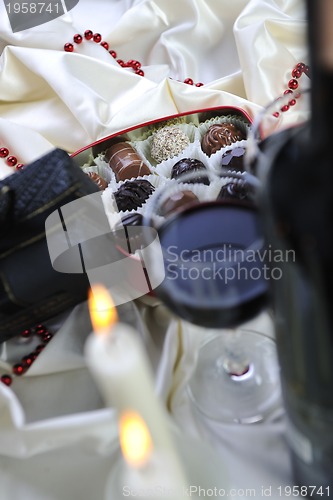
column 298, row 213
column 31, row 291
column 297, row 209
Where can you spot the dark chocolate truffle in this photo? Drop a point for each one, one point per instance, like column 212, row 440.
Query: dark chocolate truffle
column 167, row 143
column 177, row 201
column 125, row 162
column 133, row 219
column 186, row 165
column 129, row 232
column 101, row 183
column 132, row 194
column 235, row 190
column 219, row 136
column 233, row 159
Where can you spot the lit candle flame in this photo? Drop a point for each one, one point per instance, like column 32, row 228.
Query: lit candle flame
column 135, row 440
column 102, row 310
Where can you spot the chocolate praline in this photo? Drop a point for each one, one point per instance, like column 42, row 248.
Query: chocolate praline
column 233, row 159
column 177, row 201
column 235, row 190
column 133, row 194
column 187, row 165
column 125, row 162
column 167, row 143
column 97, row 179
column 220, row 135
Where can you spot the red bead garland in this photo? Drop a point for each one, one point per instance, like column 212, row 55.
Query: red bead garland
column 26, row 361
column 10, row 159
column 4, row 152
column 69, row 47
column 296, row 74
column 97, row 38
column 6, row 379
column 78, row 38
column 88, row 34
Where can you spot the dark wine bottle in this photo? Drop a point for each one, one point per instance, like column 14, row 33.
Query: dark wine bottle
column 297, row 208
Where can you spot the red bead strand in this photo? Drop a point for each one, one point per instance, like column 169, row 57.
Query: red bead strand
column 26, row 361
column 97, row 38
column 9, row 158
column 132, row 63
column 293, row 84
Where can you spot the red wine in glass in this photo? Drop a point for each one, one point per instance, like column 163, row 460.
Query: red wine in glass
column 216, row 280
column 215, row 274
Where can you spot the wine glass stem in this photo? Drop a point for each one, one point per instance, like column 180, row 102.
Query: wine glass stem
column 234, row 362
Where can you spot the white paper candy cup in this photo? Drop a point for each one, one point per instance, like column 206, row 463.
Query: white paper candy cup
column 101, row 168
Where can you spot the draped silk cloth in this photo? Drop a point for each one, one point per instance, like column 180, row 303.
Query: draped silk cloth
column 243, row 51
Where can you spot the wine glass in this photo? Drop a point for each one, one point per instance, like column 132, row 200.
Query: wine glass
column 214, row 262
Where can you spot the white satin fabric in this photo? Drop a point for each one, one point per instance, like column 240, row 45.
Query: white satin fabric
column 57, row 441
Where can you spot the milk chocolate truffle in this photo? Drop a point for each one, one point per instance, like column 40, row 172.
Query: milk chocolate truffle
column 101, row 183
column 219, row 136
column 125, row 162
column 187, row 165
column 235, row 190
column 133, row 194
column 177, row 201
column 233, row 159
column 167, row 143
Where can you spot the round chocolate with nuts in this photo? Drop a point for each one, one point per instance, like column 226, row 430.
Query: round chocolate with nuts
column 220, row 135
column 167, row 143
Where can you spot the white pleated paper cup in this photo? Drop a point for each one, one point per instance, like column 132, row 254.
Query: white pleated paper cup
column 101, row 168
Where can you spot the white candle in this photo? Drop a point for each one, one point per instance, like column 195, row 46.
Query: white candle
column 158, row 479
column 121, row 369
column 145, row 472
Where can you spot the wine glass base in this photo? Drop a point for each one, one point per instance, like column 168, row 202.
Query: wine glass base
column 246, row 398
